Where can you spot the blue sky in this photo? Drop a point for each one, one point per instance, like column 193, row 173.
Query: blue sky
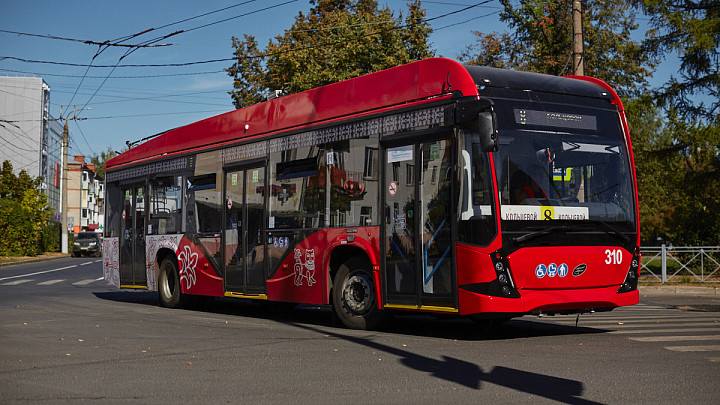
column 135, row 102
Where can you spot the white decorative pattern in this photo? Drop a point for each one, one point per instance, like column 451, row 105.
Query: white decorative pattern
column 111, row 263
column 188, row 261
column 304, row 270
column 153, row 243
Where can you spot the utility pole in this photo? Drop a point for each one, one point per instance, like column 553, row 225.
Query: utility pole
column 578, row 64
column 64, row 179
column 64, row 204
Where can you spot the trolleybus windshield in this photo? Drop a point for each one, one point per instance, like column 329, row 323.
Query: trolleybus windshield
column 560, row 164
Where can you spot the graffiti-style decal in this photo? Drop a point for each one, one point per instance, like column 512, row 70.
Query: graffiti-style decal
column 153, row 243
column 111, row 262
column 188, row 261
column 305, row 270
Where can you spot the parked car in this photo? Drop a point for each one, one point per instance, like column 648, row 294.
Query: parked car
column 87, row 243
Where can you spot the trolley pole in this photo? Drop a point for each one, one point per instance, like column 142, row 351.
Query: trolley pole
column 578, row 64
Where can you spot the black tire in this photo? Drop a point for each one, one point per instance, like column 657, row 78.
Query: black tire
column 169, row 288
column 354, row 298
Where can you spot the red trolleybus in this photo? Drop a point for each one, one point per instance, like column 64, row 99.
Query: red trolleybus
column 431, row 186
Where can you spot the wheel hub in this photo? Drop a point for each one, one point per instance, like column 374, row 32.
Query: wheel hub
column 356, row 293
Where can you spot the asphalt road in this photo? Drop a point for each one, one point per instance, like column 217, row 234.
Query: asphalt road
column 65, row 337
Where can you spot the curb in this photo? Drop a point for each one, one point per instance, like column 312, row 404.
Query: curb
column 679, row 290
column 32, row 260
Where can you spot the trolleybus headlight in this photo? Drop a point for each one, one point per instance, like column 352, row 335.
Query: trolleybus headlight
column 506, row 290
column 499, row 267
column 502, row 278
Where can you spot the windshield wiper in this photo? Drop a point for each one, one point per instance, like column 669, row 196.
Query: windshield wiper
column 532, row 235
column 607, row 228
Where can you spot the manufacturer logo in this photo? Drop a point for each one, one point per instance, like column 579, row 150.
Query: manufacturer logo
column 579, row 270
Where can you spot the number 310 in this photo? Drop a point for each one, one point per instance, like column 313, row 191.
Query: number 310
column 613, row 256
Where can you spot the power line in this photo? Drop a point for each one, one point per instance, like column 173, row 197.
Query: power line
column 118, row 77
column 232, row 59
column 84, row 41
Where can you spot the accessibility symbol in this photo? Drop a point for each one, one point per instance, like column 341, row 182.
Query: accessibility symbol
column 563, row 270
column 540, row 271
column 552, row 270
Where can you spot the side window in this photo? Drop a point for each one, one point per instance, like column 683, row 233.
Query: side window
column 476, row 224
column 354, row 182
column 297, row 188
column 113, row 211
column 203, row 196
column 166, row 205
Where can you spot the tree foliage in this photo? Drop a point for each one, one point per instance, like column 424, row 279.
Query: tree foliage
column 100, row 160
column 541, row 40
column 24, row 213
column 336, row 40
column 690, row 100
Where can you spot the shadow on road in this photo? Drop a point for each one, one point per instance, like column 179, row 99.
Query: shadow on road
column 400, row 323
column 471, row 375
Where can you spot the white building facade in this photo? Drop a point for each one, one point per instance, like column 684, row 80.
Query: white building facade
column 31, row 139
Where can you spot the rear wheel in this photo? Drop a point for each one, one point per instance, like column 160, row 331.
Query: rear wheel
column 354, row 298
column 169, row 287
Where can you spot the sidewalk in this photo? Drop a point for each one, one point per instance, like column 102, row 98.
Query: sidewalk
column 681, row 289
column 10, row 261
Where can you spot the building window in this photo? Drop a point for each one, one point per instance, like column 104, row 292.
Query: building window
column 371, row 155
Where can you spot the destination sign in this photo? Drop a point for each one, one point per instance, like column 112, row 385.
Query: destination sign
column 555, row 119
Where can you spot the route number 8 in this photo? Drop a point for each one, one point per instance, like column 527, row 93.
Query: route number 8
column 613, row 256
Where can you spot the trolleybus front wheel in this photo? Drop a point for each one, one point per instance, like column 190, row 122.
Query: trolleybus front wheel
column 354, row 299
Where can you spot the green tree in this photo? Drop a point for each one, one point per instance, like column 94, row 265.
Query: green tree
column 100, row 160
column 336, row 40
column 541, row 40
column 24, row 213
column 690, row 99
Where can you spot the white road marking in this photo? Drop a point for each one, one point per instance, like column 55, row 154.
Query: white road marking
column 39, row 272
column 708, row 348
column 50, row 282
column 85, row 282
column 16, row 282
column 675, row 338
column 654, row 331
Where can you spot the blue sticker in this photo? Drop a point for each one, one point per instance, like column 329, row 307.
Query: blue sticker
column 540, row 271
column 552, row 270
column 563, row 270
column 287, row 242
column 275, row 242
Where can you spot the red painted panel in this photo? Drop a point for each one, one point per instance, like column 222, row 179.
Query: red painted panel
column 197, row 275
column 546, row 300
column 474, row 265
column 392, row 87
column 602, row 267
column 304, row 274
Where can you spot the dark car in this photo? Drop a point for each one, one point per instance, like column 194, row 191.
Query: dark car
column 87, row 243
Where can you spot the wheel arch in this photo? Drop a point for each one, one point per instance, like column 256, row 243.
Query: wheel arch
column 344, row 253
column 162, row 254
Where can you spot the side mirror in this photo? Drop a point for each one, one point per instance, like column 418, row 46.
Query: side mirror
column 487, row 129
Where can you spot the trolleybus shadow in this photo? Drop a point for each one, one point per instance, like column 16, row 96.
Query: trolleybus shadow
column 473, row 376
column 400, row 323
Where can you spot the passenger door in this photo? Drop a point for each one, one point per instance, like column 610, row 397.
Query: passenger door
column 243, row 244
column 418, row 225
column 132, row 241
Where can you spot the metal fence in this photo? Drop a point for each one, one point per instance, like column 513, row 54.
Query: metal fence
column 680, row 264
